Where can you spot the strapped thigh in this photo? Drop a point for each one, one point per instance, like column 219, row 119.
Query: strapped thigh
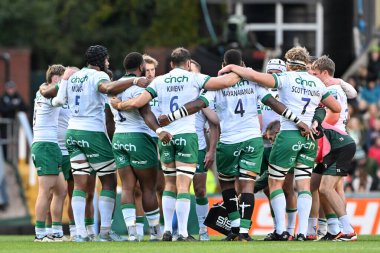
column 80, row 168
column 277, row 172
column 302, row 171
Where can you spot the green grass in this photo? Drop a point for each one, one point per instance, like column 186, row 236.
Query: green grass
column 21, row 244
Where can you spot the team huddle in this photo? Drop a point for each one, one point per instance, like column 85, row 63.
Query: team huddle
column 266, row 131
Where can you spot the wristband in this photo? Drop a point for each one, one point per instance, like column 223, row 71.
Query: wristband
column 177, row 114
column 136, row 80
column 291, row 116
column 159, row 130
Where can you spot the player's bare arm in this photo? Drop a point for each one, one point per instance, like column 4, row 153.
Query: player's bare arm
column 221, row 82
column 116, row 87
column 213, row 122
column 133, row 103
column 331, row 103
column 48, row 91
column 266, row 80
column 151, row 122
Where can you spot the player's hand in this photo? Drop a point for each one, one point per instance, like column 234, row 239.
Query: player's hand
column 313, row 127
column 305, row 130
column 225, row 70
column 68, row 72
column 163, row 120
column 209, row 160
column 165, row 137
column 114, row 101
column 143, row 82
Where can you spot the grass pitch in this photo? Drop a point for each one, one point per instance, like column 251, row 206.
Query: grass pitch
column 25, row 244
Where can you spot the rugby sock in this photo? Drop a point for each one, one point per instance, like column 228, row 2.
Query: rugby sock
column 182, row 209
column 312, row 226
column 201, row 208
column 332, row 224
column 153, row 217
column 129, row 214
column 272, row 214
column 278, row 202
column 57, row 228
column 292, row 215
column 40, row 229
column 48, row 229
column 231, row 202
column 345, row 221
column 168, row 208
column 78, row 203
column 89, row 223
column 140, row 226
column 304, row 206
column 72, row 228
column 106, row 206
column 247, row 203
column 322, row 226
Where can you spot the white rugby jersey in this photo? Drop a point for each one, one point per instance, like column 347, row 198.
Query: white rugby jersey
column 175, row 89
column 63, row 122
column 236, row 107
column 301, row 93
column 45, row 120
column 200, row 122
column 341, row 97
column 268, row 116
column 129, row 121
column 86, row 103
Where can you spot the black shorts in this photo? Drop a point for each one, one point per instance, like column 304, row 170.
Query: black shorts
column 337, row 162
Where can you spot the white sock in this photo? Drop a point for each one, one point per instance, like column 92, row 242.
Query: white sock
column 322, row 226
column 278, row 202
column 153, row 217
column 90, row 229
column 202, row 211
column 49, row 230
column 106, row 205
column 140, row 229
column 73, row 230
column 304, row 206
column 333, row 226
column 78, row 203
column 57, row 229
column 129, row 214
column 292, row 215
column 345, row 221
column 312, row 226
column 182, row 209
column 168, row 207
column 40, row 229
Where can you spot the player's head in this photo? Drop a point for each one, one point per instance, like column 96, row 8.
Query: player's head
column 54, row 73
column 195, row 66
column 98, row 56
column 232, row 56
column 275, row 66
column 150, row 66
column 133, row 63
column 180, row 57
column 323, row 67
column 297, row 58
column 110, row 74
column 272, row 129
column 312, row 59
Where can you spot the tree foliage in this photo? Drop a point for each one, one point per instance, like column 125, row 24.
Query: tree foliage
column 59, row 31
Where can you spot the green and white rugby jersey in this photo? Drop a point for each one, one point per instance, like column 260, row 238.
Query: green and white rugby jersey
column 301, row 93
column 63, row 122
column 236, row 107
column 156, row 111
column 268, row 116
column 175, row 89
column 45, row 120
column 200, row 122
column 129, row 121
column 85, row 101
column 341, row 97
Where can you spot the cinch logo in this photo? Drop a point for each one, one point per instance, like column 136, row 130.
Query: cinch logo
column 248, row 149
column 299, row 145
column 153, row 102
column 79, row 80
column 80, row 143
column 180, row 141
column 223, row 222
column 240, row 83
column 126, row 147
column 303, row 82
column 178, row 79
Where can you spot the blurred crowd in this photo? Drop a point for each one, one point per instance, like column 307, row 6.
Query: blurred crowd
column 364, row 125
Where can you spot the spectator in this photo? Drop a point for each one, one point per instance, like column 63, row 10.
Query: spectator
column 374, row 62
column 374, row 150
column 370, row 93
column 362, row 181
column 11, row 101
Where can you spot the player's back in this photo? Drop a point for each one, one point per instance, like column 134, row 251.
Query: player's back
column 301, row 93
column 85, row 101
column 131, row 120
column 175, row 89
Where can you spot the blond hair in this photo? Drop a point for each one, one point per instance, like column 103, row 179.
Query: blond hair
column 150, row 60
column 297, row 58
column 55, row 69
column 324, row 63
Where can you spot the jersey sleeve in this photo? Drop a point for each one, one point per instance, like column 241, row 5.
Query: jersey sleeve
column 137, row 91
column 262, row 94
column 325, row 92
column 208, row 97
column 152, row 88
column 201, row 79
column 100, row 77
column 279, row 79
